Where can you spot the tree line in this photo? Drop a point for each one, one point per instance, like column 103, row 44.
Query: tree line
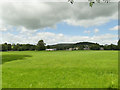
column 23, row 47
column 85, row 46
column 41, row 46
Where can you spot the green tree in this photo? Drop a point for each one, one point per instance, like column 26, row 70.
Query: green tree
column 91, row 1
column 48, row 46
column 0, row 47
column 4, row 47
column 40, row 45
column 9, row 47
column 14, row 47
column 95, row 47
column 119, row 44
column 114, row 47
column 81, row 47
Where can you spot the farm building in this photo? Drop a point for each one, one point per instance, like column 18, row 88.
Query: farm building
column 87, row 48
column 101, row 48
column 70, row 49
column 54, row 49
column 76, row 48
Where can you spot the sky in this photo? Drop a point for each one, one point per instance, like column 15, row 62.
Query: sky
column 58, row 22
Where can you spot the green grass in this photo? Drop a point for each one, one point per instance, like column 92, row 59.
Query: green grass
column 60, row 69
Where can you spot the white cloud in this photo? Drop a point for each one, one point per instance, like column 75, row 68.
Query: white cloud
column 41, row 15
column 96, row 30
column 51, row 38
column 3, row 29
column 90, row 31
column 115, row 28
column 87, row 31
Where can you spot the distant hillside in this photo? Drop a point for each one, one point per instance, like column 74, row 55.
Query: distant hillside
column 80, row 45
column 86, row 43
column 74, row 44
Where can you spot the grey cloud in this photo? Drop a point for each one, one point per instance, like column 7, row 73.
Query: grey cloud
column 42, row 15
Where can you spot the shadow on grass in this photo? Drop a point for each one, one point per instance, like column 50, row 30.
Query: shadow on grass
column 8, row 58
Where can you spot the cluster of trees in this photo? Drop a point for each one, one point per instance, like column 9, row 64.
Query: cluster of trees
column 41, row 46
column 91, row 1
column 23, row 47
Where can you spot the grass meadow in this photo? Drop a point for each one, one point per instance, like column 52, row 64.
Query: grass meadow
column 60, row 69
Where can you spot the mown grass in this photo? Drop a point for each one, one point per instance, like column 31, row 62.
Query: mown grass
column 60, row 69
column 8, row 58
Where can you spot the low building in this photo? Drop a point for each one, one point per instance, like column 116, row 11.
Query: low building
column 87, row 48
column 76, row 48
column 101, row 48
column 70, row 49
column 54, row 49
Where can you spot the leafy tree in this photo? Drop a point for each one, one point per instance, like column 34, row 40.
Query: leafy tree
column 27, row 47
column 16, row 47
column 111, row 47
column 40, row 45
column 81, row 47
column 4, row 47
column 119, row 44
column 114, row 47
column 48, row 46
column 32, row 47
column 91, row 1
column 0, row 47
column 9, row 47
column 95, row 47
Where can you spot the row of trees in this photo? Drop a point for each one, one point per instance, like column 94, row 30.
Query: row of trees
column 86, row 46
column 23, row 47
column 105, row 47
column 41, row 46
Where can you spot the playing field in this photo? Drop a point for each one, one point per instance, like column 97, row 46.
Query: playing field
column 60, row 69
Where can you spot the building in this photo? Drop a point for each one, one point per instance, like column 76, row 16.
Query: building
column 101, row 48
column 54, row 49
column 87, row 48
column 70, row 49
column 76, row 48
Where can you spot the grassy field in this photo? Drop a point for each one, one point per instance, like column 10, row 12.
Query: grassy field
column 60, row 69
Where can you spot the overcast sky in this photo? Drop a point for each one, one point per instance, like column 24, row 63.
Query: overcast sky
column 55, row 22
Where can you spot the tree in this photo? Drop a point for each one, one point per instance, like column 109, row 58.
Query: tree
column 9, row 47
column 14, row 48
column 107, row 47
column 81, row 47
column 48, row 46
column 4, row 47
column 114, row 47
column 91, row 1
column 40, row 45
column 111, row 47
column 119, row 44
column 95, row 47
column 0, row 47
